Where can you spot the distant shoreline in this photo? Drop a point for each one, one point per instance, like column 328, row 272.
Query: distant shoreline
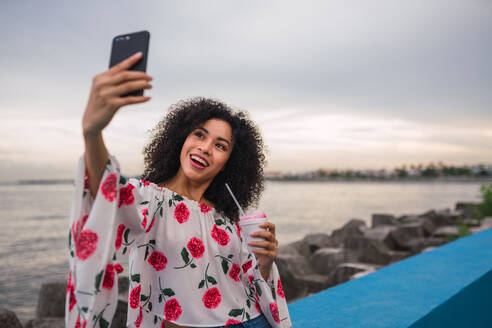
column 31, row 182
column 402, row 180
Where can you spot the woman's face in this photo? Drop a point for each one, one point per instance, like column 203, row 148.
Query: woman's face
column 206, row 150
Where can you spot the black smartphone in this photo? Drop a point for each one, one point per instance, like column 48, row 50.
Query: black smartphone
column 126, row 45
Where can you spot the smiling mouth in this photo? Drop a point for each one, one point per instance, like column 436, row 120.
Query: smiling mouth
column 198, row 162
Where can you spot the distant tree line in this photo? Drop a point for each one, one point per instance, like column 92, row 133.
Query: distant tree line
column 431, row 170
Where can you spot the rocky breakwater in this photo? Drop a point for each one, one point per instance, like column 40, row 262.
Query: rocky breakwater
column 314, row 263
column 50, row 310
column 320, row 261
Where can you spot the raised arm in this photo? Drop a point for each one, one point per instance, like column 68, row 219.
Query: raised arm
column 104, row 101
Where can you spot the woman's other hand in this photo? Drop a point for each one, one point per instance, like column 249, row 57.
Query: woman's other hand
column 105, row 95
column 268, row 250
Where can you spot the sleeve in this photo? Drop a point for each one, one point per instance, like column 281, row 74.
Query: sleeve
column 100, row 232
column 269, row 293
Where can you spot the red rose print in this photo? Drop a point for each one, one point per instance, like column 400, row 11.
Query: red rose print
column 157, row 260
column 280, row 289
column 144, row 221
column 204, row 208
column 86, row 244
column 220, row 235
column 238, row 230
column 69, row 282
column 70, row 291
column 250, row 278
column 247, row 266
column 211, row 299
column 235, row 271
column 257, row 306
column 172, row 309
column 274, row 311
column 108, row 187
column 135, row 297
column 126, row 195
column 108, row 280
column 79, row 225
column 119, row 236
column 138, row 322
column 144, row 182
column 118, row 268
column 232, row 322
column 181, row 213
column 196, row 248
column 77, row 323
column 72, row 300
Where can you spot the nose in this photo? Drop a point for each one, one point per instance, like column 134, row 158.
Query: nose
column 205, row 147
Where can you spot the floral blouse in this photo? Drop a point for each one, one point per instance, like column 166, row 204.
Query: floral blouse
column 188, row 264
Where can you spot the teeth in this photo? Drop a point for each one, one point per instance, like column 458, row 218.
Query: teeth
column 198, row 159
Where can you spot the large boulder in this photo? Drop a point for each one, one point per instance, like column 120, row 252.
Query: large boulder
column 315, row 241
column 316, row 282
column 361, row 249
column 294, row 288
column 446, row 231
column 344, row 271
column 353, row 228
column 406, row 233
column 441, row 217
column 485, row 223
column 435, row 241
column 123, row 286
column 46, row 322
column 119, row 319
column 383, row 219
column 8, row 319
column 382, row 234
column 51, row 300
column 428, row 249
column 471, row 222
column 299, row 247
column 363, row 273
column 467, row 209
column 324, row 260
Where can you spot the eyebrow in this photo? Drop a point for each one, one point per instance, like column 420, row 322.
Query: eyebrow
column 220, row 138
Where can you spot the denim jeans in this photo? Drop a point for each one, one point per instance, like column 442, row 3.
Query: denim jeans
column 258, row 322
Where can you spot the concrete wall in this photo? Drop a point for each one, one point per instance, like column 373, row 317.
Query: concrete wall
column 450, row 286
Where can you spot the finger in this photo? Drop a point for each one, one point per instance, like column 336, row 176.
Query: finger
column 263, row 234
column 263, row 244
column 127, row 87
column 125, row 76
column 269, row 225
column 122, row 101
column 126, row 64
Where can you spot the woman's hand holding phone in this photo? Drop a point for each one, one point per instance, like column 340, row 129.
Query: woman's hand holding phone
column 106, row 91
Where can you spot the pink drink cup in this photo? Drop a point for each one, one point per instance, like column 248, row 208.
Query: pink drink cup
column 251, row 223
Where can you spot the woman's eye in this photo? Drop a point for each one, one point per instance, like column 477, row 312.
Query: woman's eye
column 198, row 134
column 221, row 146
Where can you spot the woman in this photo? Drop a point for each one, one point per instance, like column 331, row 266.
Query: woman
column 189, row 265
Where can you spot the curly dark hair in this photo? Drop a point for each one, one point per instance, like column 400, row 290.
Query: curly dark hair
column 243, row 171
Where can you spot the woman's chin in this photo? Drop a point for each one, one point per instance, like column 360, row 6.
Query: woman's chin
column 195, row 176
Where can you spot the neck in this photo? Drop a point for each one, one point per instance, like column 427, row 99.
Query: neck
column 190, row 189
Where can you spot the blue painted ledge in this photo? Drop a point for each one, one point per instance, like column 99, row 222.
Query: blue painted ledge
column 450, row 286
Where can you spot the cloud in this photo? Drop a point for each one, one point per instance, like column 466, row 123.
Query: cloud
column 366, row 83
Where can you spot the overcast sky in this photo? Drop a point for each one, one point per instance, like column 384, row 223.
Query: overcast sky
column 333, row 84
